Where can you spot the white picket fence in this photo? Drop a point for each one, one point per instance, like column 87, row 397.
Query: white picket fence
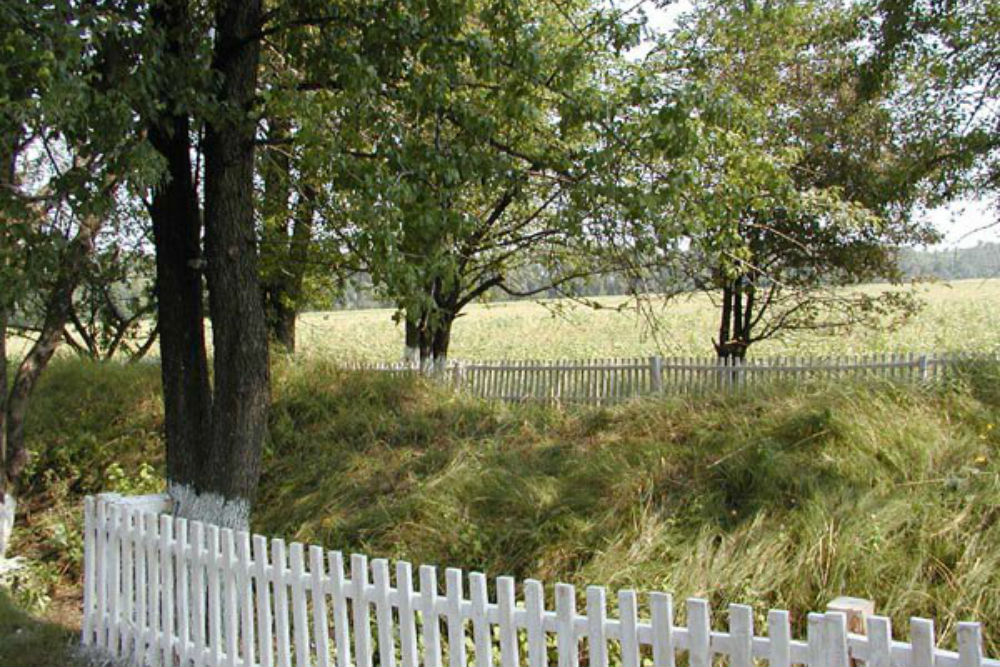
column 605, row 381
column 160, row 590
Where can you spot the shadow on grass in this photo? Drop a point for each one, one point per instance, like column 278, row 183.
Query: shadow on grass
column 26, row 641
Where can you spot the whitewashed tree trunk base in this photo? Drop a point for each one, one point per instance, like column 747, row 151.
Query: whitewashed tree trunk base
column 411, row 355
column 439, row 364
column 210, row 508
column 8, row 508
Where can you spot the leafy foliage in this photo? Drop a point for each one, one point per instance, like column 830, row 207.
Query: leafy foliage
column 800, row 185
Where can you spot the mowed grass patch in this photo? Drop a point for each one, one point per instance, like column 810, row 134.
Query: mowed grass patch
column 962, row 315
column 784, row 499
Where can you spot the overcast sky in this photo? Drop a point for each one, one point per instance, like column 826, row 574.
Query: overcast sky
column 965, row 223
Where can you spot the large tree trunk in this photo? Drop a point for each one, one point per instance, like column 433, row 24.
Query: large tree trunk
column 187, row 399
column 176, row 216
column 239, row 410
column 440, row 342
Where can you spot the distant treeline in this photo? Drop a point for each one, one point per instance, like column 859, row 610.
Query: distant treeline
column 981, row 261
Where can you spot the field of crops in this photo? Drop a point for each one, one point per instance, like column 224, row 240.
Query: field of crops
column 962, row 315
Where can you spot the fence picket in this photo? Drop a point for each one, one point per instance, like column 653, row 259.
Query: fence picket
column 362, row 614
column 835, row 635
column 407, row 615
column 279, row 576
column 970, row 644
column 740, row 635
column 383, row 613
column 215, row 595
column 265, row 631
column 454, row 618
column 480, row 623
column 779, row 635
column 506, row 604
column 167, row 592
column 534, row 606
column 566, row 644
column 628, row 617
column 128, row 580
column 199, row 616
column 114, row 580
column 244, row 578
column 879, row 642
column 815, row 625
column 152, row 539
column 597, row 638
column 428, row 609
column 922, row 642
column 338, row 591
column 300, row 624
column 661, row 612
column 699, row 633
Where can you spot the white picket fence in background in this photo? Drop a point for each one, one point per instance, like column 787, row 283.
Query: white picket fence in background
column 160, row 590
column 605, row 381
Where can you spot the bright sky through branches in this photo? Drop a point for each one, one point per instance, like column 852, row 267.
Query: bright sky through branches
column 964, row 223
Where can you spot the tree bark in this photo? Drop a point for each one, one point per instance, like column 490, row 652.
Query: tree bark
column 440, row 342
column 411, row 353
column 176, row 217
column 239, row 410
column 734, row 334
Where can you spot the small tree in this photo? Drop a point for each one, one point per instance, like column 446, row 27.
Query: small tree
column 63, row 150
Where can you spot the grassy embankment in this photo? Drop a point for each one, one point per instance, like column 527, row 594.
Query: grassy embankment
column 784, row 499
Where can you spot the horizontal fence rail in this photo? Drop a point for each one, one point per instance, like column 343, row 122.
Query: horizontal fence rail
column 160, row 590
column 606, row 381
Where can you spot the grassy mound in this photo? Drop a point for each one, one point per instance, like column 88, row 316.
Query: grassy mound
column 787, row 498
column 784, row 499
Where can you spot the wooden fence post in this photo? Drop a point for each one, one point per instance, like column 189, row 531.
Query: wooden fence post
column 656, row 373
column 923, row 368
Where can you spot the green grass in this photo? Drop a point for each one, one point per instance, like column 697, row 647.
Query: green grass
column 787, row 498
column 960, row 315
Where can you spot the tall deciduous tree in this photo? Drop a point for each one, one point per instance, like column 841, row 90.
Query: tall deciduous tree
column 64, row 146
column 805, row 188
column 215, row 427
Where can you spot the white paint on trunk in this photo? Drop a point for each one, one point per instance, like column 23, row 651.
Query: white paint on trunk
column 210, row 508
column 440, row 365
column 426, row 365
column 8, row 508
column 411, row 355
